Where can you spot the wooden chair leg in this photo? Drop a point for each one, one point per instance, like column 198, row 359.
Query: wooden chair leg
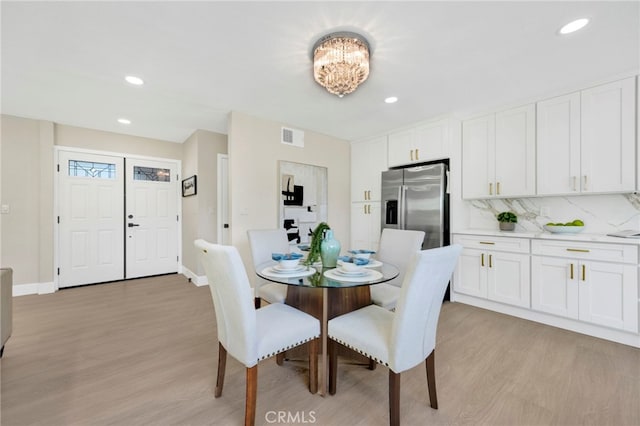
column 280, row 358
column 333, row 366
column 222, row 364
column 313, row 366
column 252, row 390
column 372, row 364
column 431, row 379
column 394, row 398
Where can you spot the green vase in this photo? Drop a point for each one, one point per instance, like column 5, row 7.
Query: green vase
column 329, row 250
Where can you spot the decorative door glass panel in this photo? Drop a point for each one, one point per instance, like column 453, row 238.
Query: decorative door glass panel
column 153, row 174
column 92, row 169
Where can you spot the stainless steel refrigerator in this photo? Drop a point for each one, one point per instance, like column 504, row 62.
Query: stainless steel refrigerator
column 416, row 198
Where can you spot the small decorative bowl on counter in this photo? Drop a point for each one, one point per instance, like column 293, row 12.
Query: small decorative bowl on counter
column 362, row 254
column 287, row 260
column 562, row 229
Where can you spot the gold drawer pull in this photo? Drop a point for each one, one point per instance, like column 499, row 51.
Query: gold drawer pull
column 486, row 242
column 571, row 275
column 490, row 263
column 584, row 274
column 482, row 259
column 417, row 158
column 578, row 250
column 490, row 188
column 411, row 154
column 498, row 188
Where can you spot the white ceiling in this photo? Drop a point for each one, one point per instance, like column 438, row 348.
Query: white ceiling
column 65, row 61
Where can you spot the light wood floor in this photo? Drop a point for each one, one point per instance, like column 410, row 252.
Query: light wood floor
column 144, row 352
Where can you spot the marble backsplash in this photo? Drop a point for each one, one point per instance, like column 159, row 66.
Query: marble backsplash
column 601, row 213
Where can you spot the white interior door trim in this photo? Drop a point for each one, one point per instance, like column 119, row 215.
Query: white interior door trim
column 222, row 204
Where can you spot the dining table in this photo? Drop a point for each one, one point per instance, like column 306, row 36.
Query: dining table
column 327, row 292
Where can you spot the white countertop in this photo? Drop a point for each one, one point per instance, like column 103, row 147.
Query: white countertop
column 582, row 236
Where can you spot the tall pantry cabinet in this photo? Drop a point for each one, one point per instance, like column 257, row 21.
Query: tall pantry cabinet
column 368, row 161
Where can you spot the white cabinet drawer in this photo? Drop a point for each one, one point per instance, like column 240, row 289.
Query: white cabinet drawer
column 515, row 245
column 621, row 253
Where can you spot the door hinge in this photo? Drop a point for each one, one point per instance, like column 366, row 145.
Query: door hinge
column 177, row 218
column 58, row 167
column 58, row 219
column 58, row 271
column 177, row 258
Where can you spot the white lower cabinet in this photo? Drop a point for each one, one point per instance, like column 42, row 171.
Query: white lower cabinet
column 365, row 226
column 589, row 287
column 581, row 286
column 484, row 270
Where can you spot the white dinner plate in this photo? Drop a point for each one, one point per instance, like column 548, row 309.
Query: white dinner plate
column 358, row 273
column 298, row 268
column 274, row 273
column 372, row 263
column 371, row 275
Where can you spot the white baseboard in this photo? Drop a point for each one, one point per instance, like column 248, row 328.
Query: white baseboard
column 33, row 288
column 197, row 280
column 619, row 336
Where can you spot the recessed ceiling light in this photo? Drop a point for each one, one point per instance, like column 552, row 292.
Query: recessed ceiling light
column 391, row 100
column 132, row 79
column 574, row 26
column 124, row 121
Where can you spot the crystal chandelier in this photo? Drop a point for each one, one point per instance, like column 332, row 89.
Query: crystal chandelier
column 341, row 62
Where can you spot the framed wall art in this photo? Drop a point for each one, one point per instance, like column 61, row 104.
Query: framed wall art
column 189, row 186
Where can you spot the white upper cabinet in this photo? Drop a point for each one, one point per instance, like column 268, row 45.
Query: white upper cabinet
column 608, row 137
column 585, row 141
column 558, row 145
column 368, row 161
column 426, row 142
column 498, row 154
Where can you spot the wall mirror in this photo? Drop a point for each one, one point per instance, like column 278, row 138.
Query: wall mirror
column 302, row 199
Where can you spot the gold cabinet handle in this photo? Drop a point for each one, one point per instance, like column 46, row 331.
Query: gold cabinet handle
column 498, row 188
column 585, row 182
column 417, row 154
column 490, row 263
column 574, row 184
column 584, row 273
column 365, row 209
column 490, row 188
column 578, row 250
column 482, row 259
column 571, row 272
column 365, row 195
column 487, row 242
column 369, row 195
column 411, row 154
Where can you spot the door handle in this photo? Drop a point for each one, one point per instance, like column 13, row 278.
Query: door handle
column 131, row 225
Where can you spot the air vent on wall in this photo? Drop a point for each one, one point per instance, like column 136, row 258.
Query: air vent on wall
column 292, row 137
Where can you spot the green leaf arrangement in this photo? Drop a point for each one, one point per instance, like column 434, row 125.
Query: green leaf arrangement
column 507, row 217
column 316, row 239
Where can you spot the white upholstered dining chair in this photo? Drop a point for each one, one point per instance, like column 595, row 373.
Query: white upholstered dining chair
column 402, row 339
column 397, row 247
column 251, row 335
column 263, row 243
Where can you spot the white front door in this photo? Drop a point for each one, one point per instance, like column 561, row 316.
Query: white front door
column 91, row 230
column 151, row 217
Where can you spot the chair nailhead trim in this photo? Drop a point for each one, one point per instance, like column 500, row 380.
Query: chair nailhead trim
column 287, row 348
column 359, row 351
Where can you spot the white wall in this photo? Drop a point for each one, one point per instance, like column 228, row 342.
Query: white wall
column 254, row 152
column 199, row 212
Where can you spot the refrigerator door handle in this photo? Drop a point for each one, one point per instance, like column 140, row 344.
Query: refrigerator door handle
column 403, row 206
